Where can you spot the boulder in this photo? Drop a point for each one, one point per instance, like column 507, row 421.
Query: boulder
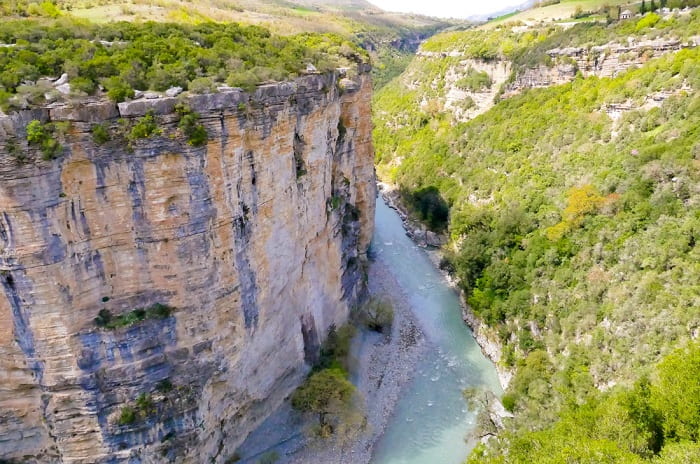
column 348, row 85
column 173, row 91
column 61, row 80
column 63, row 88
column 85, row 112
column 141, row 107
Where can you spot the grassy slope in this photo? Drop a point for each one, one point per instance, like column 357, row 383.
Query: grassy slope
column 577, row 245
column 283, row 17
column 559, row 11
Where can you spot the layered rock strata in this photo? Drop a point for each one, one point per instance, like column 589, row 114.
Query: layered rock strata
column 253, row 244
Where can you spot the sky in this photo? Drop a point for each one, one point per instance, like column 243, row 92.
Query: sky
column 446, row 8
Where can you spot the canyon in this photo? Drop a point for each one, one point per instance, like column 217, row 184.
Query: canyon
column 608, row 60
column 235, row 259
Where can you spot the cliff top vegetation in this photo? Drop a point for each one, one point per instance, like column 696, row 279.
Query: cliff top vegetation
column 118, row 58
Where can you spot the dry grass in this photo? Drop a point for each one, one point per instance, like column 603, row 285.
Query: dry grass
column 560, row 11
column 282, row 19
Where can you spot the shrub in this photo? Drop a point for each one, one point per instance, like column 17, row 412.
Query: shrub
column 155, row 311
column 100, row 134
column 127, row 416
column 118, row 89
column 201, row 85
column 104, row 317
column 430, row 207
column 336, row 348
column 41, row 135
column 84, row 85
column 270, row 457
column 190, row 126
column 377, row 314
column 145, row 127
column 474, row 81
column 326, row 393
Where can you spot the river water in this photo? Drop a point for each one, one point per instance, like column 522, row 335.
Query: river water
column 431, row 419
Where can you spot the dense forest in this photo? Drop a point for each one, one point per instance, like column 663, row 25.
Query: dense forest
column 123, row 57
column 574, row 235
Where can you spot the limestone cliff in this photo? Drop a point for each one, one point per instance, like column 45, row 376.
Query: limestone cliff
column 255, row 240
column 563, row 65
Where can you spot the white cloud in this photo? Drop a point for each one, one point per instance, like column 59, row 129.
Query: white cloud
column 446, row 8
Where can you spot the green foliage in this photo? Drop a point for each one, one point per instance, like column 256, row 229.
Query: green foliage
column 648, row 21
column 142, row 408
column 126, row 56
column 41, row 135
column 430, row 207
column 201, row 85
column 377, row 314
column 270, row 457
column 652, row 422
column 336, row 348
column 190, row 126
column 145, row 127
column 474, row 80
column 127, row 416
column 106, row 320
column 100, row 134
column 573, row 235
column 118, row 89
column 326, row 393
column 676, row 394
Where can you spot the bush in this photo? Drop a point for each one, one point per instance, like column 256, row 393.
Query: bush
column 430, row 207
column 377, row 314
column 336, row 348
column 201, row 85
column 41, row 135
column 118, row 89
column 127, row 416
column 100, row 134
column 145, row 127
column 82, row 85
column 326, row 393
column 189, row 125
column 270, row 457
column 104, row 317
column 155, row 311
column 474, row 81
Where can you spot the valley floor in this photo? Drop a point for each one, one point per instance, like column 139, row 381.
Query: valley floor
column 381, row 367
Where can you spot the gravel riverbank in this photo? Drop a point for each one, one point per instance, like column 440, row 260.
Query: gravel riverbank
column 382, row 366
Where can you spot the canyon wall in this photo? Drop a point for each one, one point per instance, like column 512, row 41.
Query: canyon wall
column 254, row 244
column 564, row 64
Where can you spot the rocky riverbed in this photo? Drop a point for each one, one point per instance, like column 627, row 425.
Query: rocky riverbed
column 381, row 366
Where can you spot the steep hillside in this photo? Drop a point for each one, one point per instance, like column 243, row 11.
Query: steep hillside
column 574, row 218
column 170, row 264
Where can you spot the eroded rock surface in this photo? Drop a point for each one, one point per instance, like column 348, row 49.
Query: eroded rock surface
column 257, row 240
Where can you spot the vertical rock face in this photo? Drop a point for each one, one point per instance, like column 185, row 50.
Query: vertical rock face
column 257, row 241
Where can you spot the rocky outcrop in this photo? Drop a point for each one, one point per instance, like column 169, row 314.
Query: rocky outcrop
column 253, row 243
column 607, row 60
column 564, row 64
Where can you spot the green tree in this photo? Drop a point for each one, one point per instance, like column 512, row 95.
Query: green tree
column 676, row 393
column 326, row 393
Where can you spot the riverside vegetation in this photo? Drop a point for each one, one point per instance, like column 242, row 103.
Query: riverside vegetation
column 574, row 235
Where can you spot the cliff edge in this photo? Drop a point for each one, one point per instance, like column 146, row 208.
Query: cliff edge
column 159, row 299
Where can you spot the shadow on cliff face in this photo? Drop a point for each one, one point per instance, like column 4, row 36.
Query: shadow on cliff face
column 125, row 369
column 429, row 205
